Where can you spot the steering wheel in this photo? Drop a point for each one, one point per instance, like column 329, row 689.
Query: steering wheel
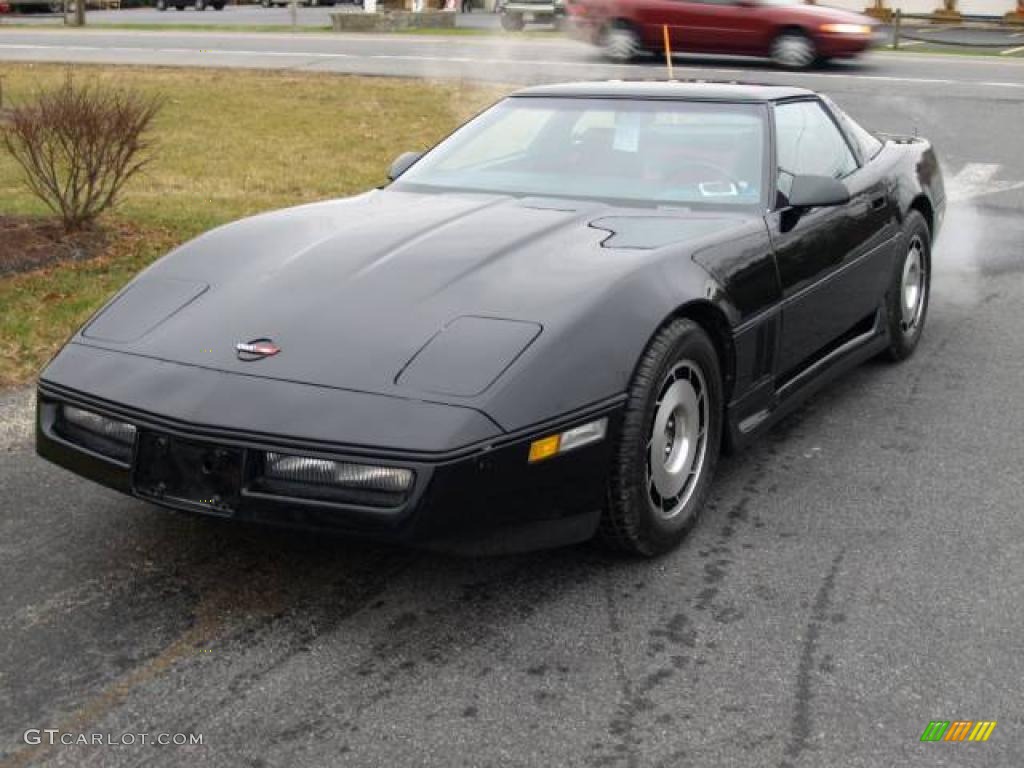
column 721, row 174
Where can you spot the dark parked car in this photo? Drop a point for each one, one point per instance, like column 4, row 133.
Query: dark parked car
column 547, row 326
column 790, row 32
column 200, row 5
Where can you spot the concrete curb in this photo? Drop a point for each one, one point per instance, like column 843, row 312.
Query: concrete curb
column 17, row 417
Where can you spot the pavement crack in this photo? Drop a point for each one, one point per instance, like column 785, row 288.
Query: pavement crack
column 800, row 727
column 623, row 726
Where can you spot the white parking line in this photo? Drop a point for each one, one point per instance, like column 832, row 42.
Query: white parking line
column 1011, row 51
column 976, row 180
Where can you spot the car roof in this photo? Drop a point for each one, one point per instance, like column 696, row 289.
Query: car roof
column 667, row 90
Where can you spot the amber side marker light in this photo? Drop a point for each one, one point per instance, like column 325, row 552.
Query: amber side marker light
column 577, row 437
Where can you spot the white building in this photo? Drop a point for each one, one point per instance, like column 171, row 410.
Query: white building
column 990, row 8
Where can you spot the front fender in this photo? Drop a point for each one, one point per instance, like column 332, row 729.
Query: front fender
column 590, row 359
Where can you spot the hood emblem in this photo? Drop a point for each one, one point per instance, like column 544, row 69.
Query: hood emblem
column 257, row 349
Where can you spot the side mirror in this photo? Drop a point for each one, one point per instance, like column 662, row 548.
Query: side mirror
column 817, row 191
column 402, row 164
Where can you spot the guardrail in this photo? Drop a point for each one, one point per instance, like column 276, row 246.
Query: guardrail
column 900, row 32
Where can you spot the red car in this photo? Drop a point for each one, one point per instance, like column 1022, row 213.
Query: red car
column 791, row 33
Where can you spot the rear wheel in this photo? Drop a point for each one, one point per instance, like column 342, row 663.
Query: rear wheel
column 909, row 288
column 669, row 444
column 621, row 42
column 793, row 49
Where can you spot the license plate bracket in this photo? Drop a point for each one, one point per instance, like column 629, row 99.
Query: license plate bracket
column 188, row 474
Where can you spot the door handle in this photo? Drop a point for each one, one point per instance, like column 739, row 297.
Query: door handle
column 878, row 203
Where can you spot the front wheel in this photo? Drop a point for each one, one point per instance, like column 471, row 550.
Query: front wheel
column 512, row 22
column 621, row 43
column 793, row 50
column 669, row 445
column 909, row 288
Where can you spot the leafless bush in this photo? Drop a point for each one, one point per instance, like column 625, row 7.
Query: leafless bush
column 78, row 145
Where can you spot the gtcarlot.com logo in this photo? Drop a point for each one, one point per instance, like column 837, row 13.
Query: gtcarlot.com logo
column 54, row 736
column 958, row 730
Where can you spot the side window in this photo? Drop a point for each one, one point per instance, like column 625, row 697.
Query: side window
column 808, row 142
column 869, row 145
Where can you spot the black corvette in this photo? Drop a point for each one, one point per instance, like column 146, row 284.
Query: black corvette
column 546, row 327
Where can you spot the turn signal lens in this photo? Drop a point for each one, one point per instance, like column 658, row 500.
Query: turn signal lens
column 310, row 471
column 100, row 426
column 577, row 437
column 846, row 29
column 544, row 448
column 113, row 439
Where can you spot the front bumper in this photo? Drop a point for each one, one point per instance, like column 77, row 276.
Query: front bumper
column 845, row 46
column 485, row 498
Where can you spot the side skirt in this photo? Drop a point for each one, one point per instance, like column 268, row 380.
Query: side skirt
column 796, row 389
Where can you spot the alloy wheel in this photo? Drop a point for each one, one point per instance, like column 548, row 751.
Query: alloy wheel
column 677, row 443
column 913, row 286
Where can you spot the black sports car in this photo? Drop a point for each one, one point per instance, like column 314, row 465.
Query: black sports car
column 546, row 327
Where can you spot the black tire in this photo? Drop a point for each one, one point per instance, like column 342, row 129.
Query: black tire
column 631, row 522
column 512, row 22
column 218, row 6
column 906, row 318
column 180, row 7
column 793, row 49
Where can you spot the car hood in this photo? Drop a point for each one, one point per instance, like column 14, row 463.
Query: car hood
column 818, row 14
column 416, row 295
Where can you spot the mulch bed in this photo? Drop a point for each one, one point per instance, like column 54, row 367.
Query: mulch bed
column 30, row 242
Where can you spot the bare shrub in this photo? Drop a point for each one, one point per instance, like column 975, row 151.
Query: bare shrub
column 79, row 144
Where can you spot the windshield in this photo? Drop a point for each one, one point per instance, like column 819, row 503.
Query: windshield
column 660, row 152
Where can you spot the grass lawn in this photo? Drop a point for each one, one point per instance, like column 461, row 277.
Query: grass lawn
column 230, row 143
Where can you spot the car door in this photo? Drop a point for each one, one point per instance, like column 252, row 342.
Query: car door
column 702, row 26
column 826, row 256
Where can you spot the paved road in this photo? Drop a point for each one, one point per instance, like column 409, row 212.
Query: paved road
column 858, row 572
column 503, row 59
column 1004, row 37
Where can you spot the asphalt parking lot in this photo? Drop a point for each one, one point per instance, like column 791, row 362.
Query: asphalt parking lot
column 856, row 575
